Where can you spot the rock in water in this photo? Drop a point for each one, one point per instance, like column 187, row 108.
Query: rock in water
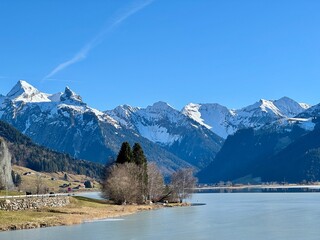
column 5, row 166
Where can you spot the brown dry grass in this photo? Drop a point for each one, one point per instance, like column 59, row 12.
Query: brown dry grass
column 79, row 210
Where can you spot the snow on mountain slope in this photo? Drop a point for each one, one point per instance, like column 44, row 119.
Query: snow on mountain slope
column 213, row 116
column 193, row 111
column 158, row 123
column 224, row 122
column 157, row 134
column 260, row 107
column 305, row 106
column 257, row 114
column 288, row 124
column 122, row 115
column 24, row 92
column 160, row 111
column 168, row 127
column 304, row 123
column 312, row 112
column 288, row 107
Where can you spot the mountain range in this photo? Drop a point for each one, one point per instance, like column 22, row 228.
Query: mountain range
column 224, row 121
column 207, row 137
column 63, row 122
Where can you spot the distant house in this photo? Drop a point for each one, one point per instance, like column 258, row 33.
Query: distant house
column 78, row 187
column 65, row 185
column 88, row 184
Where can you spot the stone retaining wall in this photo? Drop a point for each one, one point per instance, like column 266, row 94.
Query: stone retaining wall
column 33, row 203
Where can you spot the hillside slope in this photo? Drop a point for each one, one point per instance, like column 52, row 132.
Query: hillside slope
column 26, row 153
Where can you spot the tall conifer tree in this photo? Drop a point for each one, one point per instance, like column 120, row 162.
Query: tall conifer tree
column 138, row 156
column 140, row 159
column 125, row 154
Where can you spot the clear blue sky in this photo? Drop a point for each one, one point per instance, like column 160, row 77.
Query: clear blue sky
column 233, row 52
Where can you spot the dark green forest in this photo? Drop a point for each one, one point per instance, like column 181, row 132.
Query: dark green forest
column 28, row 154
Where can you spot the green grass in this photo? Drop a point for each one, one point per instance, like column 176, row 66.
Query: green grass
column 13, row 218
column 91, row 200
column 10, row 193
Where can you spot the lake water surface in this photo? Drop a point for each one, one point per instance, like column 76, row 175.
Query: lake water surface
column 226, row 216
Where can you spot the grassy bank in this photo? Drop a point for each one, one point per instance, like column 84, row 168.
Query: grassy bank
column 10, row 193
column 51, row 181
column 79, row 210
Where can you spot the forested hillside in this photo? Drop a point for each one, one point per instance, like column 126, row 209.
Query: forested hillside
column 26, row 153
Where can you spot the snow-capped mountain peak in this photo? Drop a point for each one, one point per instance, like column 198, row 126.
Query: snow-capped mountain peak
column 125, row 110
column 192, row 110
column 25, row 92
column 122, row 114
column 262, row 105
column 288, row 107
column 211, row 115
column 159, row 106
column 69, row 95
column 160, row 111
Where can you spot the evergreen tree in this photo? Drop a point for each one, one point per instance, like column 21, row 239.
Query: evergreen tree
column 140, row 160
column 125, row 154
column 138, row 156
column 65, row 177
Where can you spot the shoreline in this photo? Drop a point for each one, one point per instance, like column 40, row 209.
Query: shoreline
column 80, row 210
column 260, row 186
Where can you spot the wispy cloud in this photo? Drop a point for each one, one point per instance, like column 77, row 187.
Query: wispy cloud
column 84, row 51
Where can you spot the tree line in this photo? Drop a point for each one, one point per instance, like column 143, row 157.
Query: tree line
column 131, row 179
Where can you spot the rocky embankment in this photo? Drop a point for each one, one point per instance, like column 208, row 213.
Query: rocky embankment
column 25, row 203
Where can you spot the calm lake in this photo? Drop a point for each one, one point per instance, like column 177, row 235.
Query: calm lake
column 225, row 216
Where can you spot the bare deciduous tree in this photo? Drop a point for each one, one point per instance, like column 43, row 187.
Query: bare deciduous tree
column 123, row 184
column 182, row 184
column 39, row 183
column 155, row 182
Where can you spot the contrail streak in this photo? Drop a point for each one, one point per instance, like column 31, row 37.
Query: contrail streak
column 84, row 51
